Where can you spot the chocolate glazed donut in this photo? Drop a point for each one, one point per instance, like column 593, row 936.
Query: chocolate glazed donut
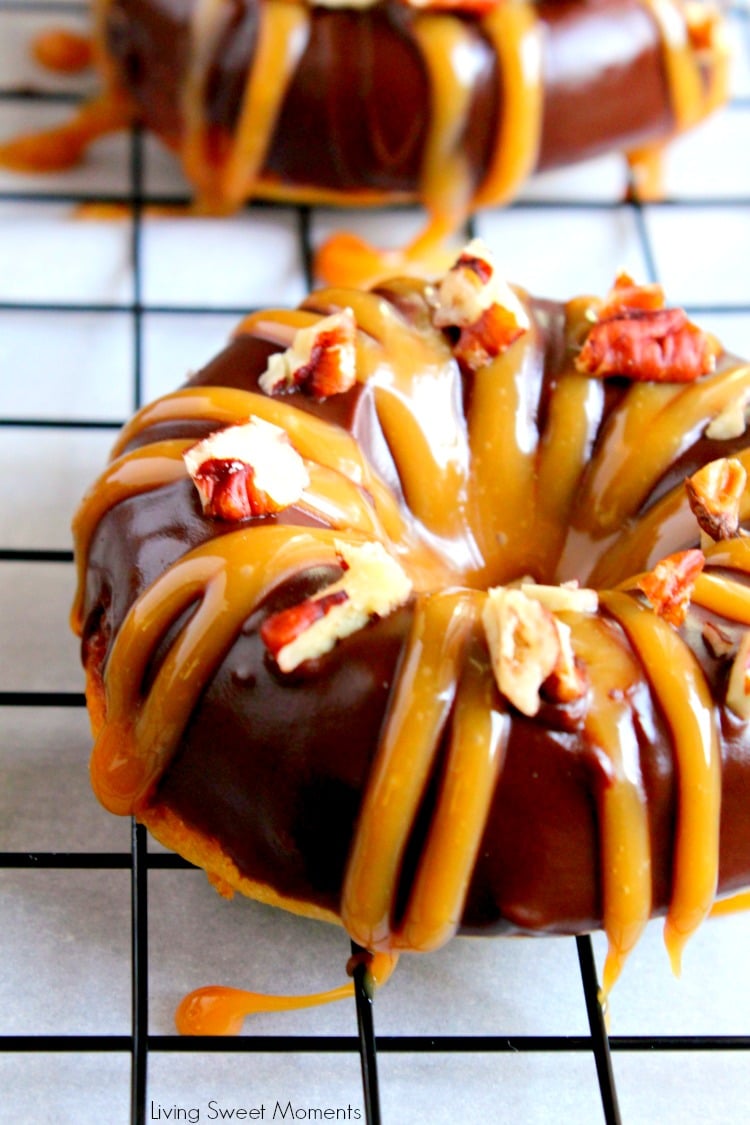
column 453, row 106
column 636, row 773
column 355, row 116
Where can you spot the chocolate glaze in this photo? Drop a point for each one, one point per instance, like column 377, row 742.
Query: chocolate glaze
column 356, row 113
column 274, row 766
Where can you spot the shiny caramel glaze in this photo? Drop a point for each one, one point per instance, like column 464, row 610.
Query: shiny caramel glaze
column 280, row 99
column 388, row 783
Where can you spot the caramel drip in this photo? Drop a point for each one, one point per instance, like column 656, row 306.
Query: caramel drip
column 478, row 739
column 282, row 37
column 445, row 181
column 624, row 829
column 62, row 51
column 695, row 89
column 514, row 30
column 224, row 180
column 406, row 758
column 224, row 580
column 685, row 700
column 732, row 905
column 652, row 426
column 503, row 436
column 445, row 186
column 690, row 99
column 216, row 1010
column 60, row 148
column 208, row 23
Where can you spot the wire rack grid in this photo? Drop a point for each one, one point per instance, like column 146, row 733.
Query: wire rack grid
column 102, row 930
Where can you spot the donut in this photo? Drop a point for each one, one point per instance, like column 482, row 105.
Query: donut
column 451, row 103
column 425, row 609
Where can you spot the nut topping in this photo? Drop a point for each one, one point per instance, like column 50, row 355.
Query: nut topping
column 718, row 642
column 738, row 688
column 636, row 336
column 246, row 470
column 568, row 596
column 373, row 585
column 669, row 586
column 731, row 422
column 472, row 298
column 714, row 495
column 321, row 361
column 530, row 650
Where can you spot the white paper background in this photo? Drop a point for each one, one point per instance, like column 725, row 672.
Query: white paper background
column 66, row 354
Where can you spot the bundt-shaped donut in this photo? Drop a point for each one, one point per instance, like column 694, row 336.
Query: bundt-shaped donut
column 450, row 102
column 402, row 613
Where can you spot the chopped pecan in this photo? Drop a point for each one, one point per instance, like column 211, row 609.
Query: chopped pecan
column 636, row 337
column 322, row 360
column 714, row 494
column 568, row 596
column 246, row 470
column 738, row 687
column 280, row 629
column 627, row 296
column 718, row 642
column 731, row 422
column 483, row 308
column 669, row 586
column 530, row 651
column 569, row 679
column 372, row 585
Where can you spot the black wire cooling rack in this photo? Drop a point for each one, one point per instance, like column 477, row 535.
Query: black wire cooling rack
column 141, row 1045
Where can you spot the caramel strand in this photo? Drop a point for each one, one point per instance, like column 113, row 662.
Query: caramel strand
column 624, row 832
column 684, row 697
column 217, row 1010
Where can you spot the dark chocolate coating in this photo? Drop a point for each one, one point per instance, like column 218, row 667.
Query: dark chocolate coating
column 356, row 114
column 274, row 766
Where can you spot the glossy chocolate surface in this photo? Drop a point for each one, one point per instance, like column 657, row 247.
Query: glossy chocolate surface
column 357, row 111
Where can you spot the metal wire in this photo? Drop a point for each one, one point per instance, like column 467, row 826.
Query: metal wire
column 140, row 1044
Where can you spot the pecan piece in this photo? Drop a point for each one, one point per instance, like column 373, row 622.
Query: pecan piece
column 321, row 361
column 738, row 687
column 372, row 585
column 635, row 336
column 472, row 299
column 530, row 650
column 246, row 470
column 669, row 586
column 714, row 494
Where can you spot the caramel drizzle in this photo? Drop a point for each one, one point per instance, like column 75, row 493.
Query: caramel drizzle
column 693, row 94
column 446, row 712
column 431, row 686
column 626, row 868
column 216, row 1010
column 652, row 426
column 685, row 699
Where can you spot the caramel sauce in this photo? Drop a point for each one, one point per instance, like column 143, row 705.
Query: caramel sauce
column 63, row 51
column 695, row 92
column 61, row 148
column 445, row 712
column 217, row 1010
